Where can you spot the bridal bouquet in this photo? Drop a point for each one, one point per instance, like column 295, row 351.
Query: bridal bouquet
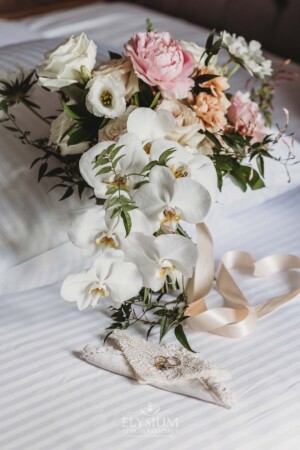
column 152, row 131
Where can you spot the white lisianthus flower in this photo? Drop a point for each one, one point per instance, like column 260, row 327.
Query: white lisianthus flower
column 124, row 69
column 62, row 65
column 187, row 165
column 161, row 257
column 59, row 138
column 149, row 125
column 106, row 96
column 109, row 278
column 187, row 123
column 250, row 55
column 116, row 127
column 94, row 230
column 165, row 200
column 133, row 161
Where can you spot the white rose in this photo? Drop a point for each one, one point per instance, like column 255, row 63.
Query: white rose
column 200, row 145
column 124, row 68
column 187, row 123
column 116, row 127
column 59, row 126
column 198, row 53
column 62, row 64
column 106, row 96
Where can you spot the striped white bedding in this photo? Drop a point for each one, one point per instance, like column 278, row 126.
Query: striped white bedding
column 51, row 400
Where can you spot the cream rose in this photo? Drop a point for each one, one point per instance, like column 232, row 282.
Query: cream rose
column 124, row 69
column 115, row 128
column 59, row 127
column 187, row 124
column 198, row 53
column 62, row 65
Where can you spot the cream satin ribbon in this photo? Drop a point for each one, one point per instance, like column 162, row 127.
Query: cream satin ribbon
column 237, row 317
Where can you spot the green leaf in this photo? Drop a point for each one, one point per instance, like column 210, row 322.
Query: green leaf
column 261, row 165
column 116, row 160
column 42, row 170
column 164, row 327
column 54, row 172
column 210, row 40
column 155, row 100
column 165, row 155
column 105, row 169
column 111, row 202
column 126, row 221
column 114, row 55
column 181, row 337
column 205, row 77
column 68, row 109
column 115, row 151
column 79, row 136
column 67, row 194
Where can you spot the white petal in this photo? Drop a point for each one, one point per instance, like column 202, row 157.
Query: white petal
column 164, row 123
column 148, row 200
column 181, row 251
column 140, row 249
column 75, row 288
column 204, row 172
column 140, row 122
column 163, row 179
column 123, row 282
column 86, row 163
column 135, row 158
column 86, row 226
column 103, row 265
column 192, row 199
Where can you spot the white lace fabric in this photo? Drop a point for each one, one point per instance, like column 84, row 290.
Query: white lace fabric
column 166, row 367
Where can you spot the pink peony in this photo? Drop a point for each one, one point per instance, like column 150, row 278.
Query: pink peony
column 161, row 61
column 245, row 116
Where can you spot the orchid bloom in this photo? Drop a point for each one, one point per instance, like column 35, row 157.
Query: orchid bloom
column 94, row 230
column 160, row 257
column 125, row 173
column 109, row 278
column 165, row 200
column 150, row 125
column 184, row 164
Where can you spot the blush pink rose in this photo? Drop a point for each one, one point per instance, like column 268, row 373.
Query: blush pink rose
column 245, row 116
column 161, row 61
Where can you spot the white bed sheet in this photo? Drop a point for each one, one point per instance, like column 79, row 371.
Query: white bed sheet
column 50, row 399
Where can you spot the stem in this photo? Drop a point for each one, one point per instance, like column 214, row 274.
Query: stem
column 233, row 71
column 36, row 113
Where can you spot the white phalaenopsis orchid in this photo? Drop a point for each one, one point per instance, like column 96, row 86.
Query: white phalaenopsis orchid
column 184, row 164
column 160, row 257
column 109, row 278
column 166, row 200
column 150, row 125
column 124, row 175
column 94, row 230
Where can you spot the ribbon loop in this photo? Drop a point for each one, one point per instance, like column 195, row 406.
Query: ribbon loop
column 237, row 317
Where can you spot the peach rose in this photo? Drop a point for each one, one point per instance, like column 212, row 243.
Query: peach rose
column 161, row 61
column 211, row 110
